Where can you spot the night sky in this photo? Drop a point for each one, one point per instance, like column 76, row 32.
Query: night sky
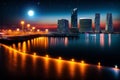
column 49, row 11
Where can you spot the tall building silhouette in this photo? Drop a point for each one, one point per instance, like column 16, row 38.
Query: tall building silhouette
column 109, row 23
column 63, row 26
column 74, row 21
column 85, row 25
column 97, row 22
column 74, row 18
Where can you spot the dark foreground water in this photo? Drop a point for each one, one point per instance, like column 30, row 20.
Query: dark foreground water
column 50, row 58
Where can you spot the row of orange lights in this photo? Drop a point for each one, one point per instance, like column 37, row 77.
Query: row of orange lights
column 73, row 60
column 28, row 26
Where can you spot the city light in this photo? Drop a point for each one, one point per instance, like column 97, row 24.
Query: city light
column 17, row 29
column 34, row 54
column 22, row 22
column 33, row 28
column 38, row 30
column 46, row 30
column 99, row 64
column 28, row 25
column 72, row 60
column 59, row 58
column 9, row 30
column 46, row 55
column 82, row 62
column 116, row 67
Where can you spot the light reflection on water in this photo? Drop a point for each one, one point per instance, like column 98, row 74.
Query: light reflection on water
column 72, row 69
column 23, row 63
column 46, row 65
column 15, row 59
column 102, row 42
column 43, row 43
column 102, row 38
column 33, row 63
column 59, row 67
column 109, row 39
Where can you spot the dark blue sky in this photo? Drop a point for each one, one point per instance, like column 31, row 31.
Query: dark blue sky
column 49, row 11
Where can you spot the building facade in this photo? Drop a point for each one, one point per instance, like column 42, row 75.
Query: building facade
column 109, row 23
column 74, row 18
column 97, row 22
column 85, row 25
column 63, row 26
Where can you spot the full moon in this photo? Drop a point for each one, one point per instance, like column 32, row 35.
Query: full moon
column 31, row 13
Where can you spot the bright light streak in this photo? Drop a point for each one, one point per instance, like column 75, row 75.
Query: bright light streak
column 31, row 13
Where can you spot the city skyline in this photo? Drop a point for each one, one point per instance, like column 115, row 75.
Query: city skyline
column 47, row 9
column 60, row 39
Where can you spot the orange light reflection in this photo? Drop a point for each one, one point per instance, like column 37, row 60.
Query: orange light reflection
column 72, row 69
column 28, row 45
column 102, row 40
column 66, row 41
column 46, row 63
column 24, row 47
column 19, row 46
column 34, row 59
column 82, row 68
column 59, row 66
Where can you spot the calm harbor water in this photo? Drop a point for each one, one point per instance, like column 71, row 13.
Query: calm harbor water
column 50, row 58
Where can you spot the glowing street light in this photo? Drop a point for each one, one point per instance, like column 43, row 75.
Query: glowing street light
column 46, row 55
column 46, row 30
column 22, row 23
column 34, row 54
column 99, row 64
column 72, row 60
column 59, row 58
column 28, row 26
column 82, row 62
column 17, row 29
column 38, row 30
column 33, row 28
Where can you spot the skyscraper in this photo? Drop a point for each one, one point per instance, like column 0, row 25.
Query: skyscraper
column 85, row 25
column 109, row 24
column 63, row 26
column 74, row 18
column 97, row 22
